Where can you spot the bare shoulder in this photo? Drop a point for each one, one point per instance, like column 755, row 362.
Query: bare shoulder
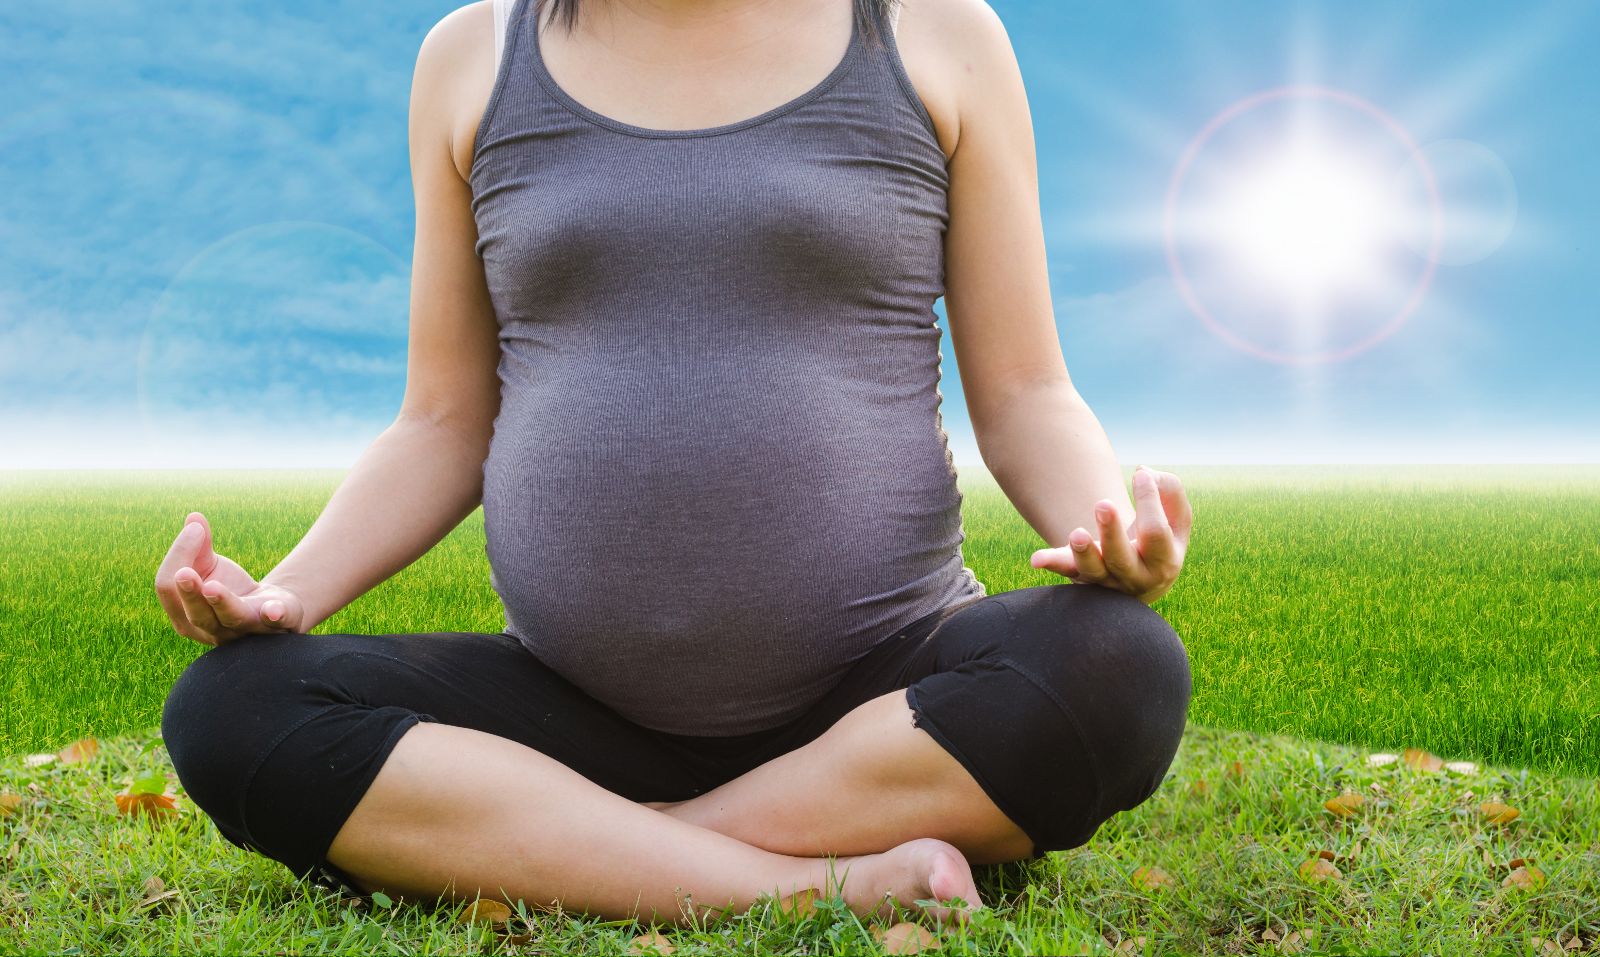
column 453, row 79
column 960, row 60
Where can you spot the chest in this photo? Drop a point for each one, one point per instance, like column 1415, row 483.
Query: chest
column 768, row 206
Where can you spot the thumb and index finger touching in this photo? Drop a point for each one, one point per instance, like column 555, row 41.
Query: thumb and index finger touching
column 193, row 549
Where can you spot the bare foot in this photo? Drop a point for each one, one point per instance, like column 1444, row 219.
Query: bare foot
column 916, row 870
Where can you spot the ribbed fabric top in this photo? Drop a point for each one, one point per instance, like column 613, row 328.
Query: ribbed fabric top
column 719, row 474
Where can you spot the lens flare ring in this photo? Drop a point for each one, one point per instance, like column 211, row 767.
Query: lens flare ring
column 1175, row 187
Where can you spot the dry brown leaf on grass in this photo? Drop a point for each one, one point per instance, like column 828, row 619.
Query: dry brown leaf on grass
column 156, row 894
column 79, row 751
column 1423, row 760
column 906, row 938
column 1151, row 879
column 1496, row 813
column 1130, row 945
column 485, row 911
column 10, row 803
column 1294, row 943
column 1316, row 869
column 1524, row 878
column 1345, row 805
column 1571, row 943
column 1236, row 769
column 154, row 807
column 1348, row 856
column 653, row 942
column 1200, row 788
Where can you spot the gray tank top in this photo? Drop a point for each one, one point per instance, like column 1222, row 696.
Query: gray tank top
column 719, row 474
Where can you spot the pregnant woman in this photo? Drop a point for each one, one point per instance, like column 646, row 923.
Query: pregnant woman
column 672, row 327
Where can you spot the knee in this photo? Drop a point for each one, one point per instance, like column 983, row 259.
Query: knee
column 1103, row 648
column 217, row 713
column 1120, row 673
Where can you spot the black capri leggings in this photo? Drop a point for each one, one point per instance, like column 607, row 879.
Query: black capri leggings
column 1065, row 702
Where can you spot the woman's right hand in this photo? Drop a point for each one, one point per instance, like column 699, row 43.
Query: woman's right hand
column 212, row 600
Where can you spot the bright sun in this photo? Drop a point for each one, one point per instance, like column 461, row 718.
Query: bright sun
column 1294, row 228
column 1307, row 222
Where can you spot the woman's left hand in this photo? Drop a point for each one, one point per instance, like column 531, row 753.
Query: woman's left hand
column 1145, row 559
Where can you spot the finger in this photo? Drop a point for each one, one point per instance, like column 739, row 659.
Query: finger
column 229, row 608
column 195, row 605
column 1151, row 531
column 1175, row 502
column 183, row 626
column 1116, row 550
column 1091, row 567
column 205, row 558
column 275, row 614
column 183, row 548
column 1058, row 560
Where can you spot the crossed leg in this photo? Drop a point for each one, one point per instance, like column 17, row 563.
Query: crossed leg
column 273, row 734
column 901, row 816
column 870, row 782
column 461, row 811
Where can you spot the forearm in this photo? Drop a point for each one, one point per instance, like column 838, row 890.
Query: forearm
column 414, row 483
column 1051, row 457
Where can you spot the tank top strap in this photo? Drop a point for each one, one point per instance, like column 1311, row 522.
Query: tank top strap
column 884, row 58
column 868, row 91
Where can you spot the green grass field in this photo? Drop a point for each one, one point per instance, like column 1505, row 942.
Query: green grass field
column 1420, row 871
column 1447, row 608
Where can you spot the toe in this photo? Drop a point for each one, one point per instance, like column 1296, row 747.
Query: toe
column 951, row 877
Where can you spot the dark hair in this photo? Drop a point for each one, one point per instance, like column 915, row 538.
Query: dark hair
column 868, row 12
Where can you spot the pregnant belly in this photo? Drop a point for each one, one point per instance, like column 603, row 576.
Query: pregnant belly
column 709, row 560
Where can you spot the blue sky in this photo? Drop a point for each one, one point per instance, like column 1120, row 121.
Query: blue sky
column 206, row 228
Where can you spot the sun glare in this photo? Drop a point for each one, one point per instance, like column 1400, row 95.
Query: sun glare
column 1292, row 220
column 1307, row 222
